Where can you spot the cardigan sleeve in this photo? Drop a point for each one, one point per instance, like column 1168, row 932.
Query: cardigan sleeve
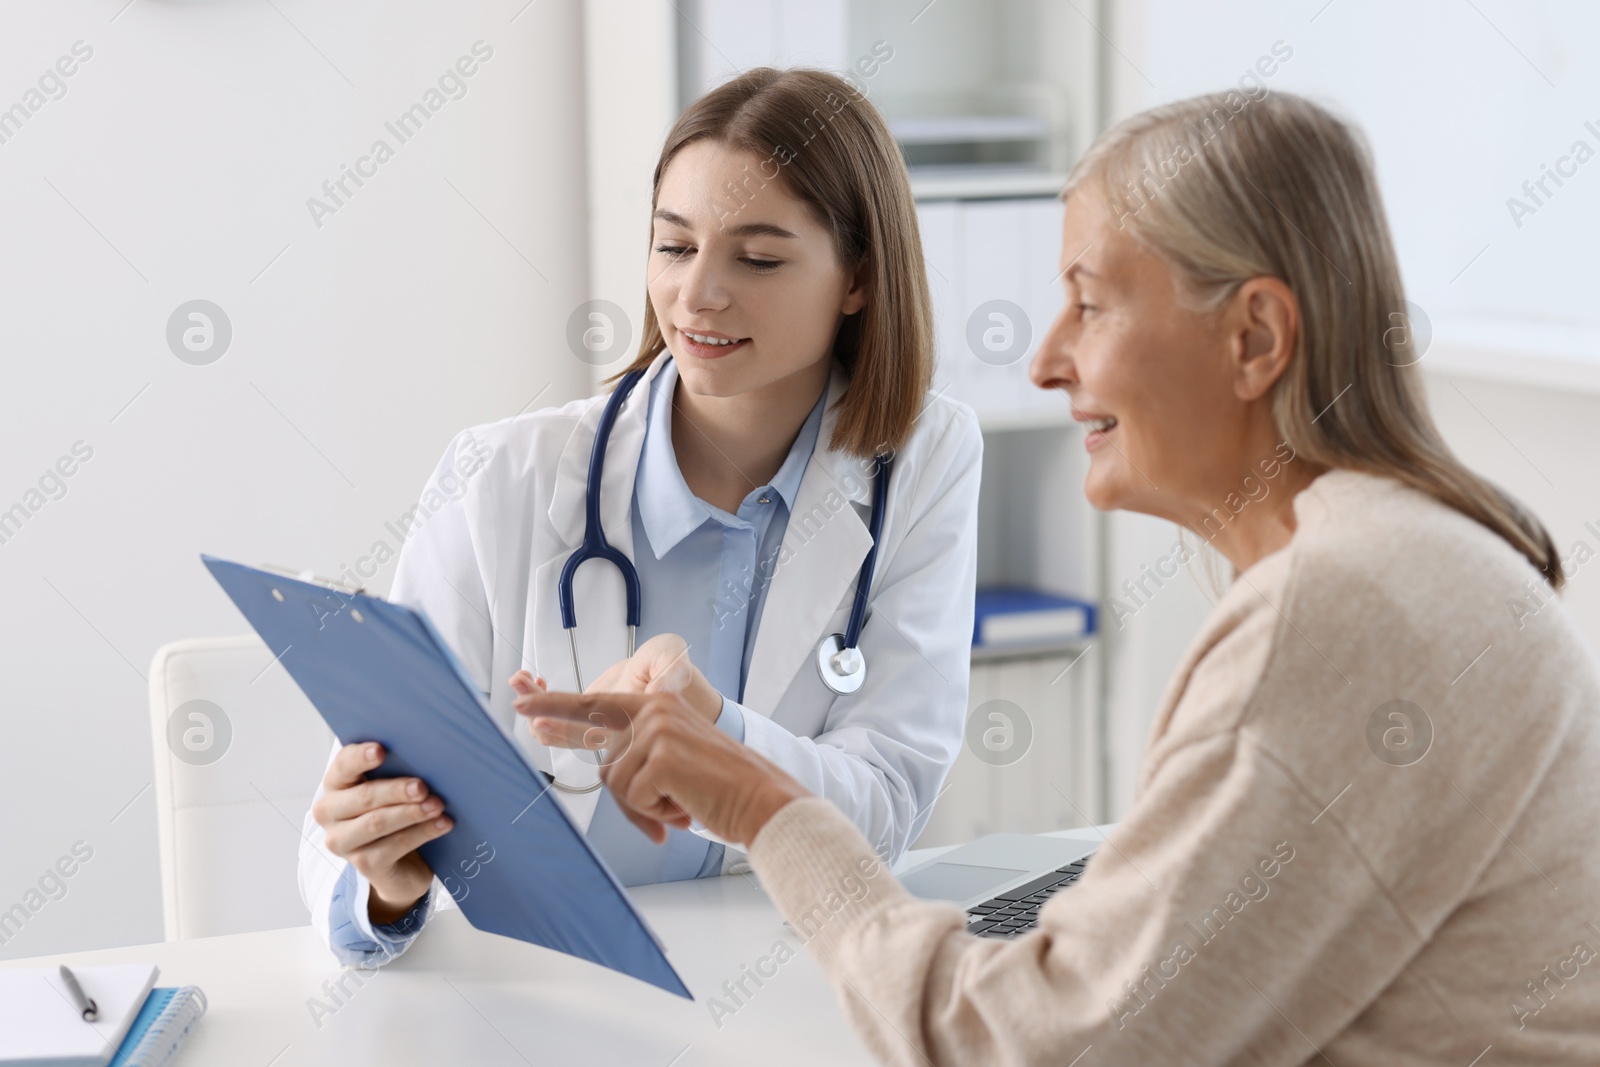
column 1281, row 888
column 1217, row 922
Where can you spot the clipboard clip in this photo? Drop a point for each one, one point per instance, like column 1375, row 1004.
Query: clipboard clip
column 314, row 579
column 346, row 596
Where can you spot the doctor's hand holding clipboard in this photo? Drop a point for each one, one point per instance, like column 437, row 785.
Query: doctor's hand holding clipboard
column 771, row 481
column 378, row 824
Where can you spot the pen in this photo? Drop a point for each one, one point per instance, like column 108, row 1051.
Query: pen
column 85, row 1005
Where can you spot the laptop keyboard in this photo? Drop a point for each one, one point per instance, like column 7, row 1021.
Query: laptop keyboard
column 1016, row 911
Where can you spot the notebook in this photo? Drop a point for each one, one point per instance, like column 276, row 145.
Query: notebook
column 140, row 1025
column 39, row 1023
column 160, row 1027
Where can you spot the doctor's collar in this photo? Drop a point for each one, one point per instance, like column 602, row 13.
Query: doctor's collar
column 668, row 509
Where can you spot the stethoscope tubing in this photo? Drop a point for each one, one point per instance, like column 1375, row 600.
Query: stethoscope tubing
column 595, row 545
column 880, row 503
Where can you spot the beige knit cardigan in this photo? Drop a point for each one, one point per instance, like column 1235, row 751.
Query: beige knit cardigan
column 1364, row 833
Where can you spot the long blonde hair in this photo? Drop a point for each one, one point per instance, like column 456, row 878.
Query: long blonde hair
column 1229, row 186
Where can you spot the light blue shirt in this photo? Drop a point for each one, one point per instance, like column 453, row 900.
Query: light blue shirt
column 704, row 574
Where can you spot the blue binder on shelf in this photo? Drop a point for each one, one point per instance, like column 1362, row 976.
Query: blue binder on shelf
column 378, row 671
column 1006, row 616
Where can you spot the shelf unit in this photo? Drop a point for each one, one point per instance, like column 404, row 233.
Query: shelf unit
column 987, row 99
column 990, row 103
column 983, row 182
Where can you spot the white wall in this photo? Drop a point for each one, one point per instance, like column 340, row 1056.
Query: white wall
column 1461, row 103
column 630, row 103
column 178, row 165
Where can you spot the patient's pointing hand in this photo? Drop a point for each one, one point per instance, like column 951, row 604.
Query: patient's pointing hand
column 665, row 765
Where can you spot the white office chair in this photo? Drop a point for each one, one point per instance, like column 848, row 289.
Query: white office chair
column 231, row 789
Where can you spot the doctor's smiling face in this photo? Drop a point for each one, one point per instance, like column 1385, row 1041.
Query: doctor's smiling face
column 747, row 288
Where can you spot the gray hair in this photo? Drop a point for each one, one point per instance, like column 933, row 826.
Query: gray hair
column 1230, row 186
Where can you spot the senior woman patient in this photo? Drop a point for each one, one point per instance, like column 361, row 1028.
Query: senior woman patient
column 1365, row 819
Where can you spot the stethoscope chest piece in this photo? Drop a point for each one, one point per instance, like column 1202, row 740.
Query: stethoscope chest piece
column 842, row 669
column 839, row 659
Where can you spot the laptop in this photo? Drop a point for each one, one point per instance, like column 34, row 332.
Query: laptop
column 1001, row 880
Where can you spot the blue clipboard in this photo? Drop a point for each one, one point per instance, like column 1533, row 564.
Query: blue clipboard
column 378, row 671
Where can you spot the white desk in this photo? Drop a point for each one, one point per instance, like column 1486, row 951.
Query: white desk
column 461, row 996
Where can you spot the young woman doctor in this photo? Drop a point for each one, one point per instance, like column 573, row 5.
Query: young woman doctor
column 787, row 344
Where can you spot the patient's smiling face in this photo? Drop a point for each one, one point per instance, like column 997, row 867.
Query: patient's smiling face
column 762, row 271
column 1128, row 347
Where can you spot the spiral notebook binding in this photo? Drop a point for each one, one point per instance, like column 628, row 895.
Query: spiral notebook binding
column 166, row 1033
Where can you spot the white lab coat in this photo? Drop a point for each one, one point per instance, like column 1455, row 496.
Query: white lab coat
column 505, row 509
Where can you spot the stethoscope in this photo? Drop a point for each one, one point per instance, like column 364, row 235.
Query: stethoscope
column 839, row 658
